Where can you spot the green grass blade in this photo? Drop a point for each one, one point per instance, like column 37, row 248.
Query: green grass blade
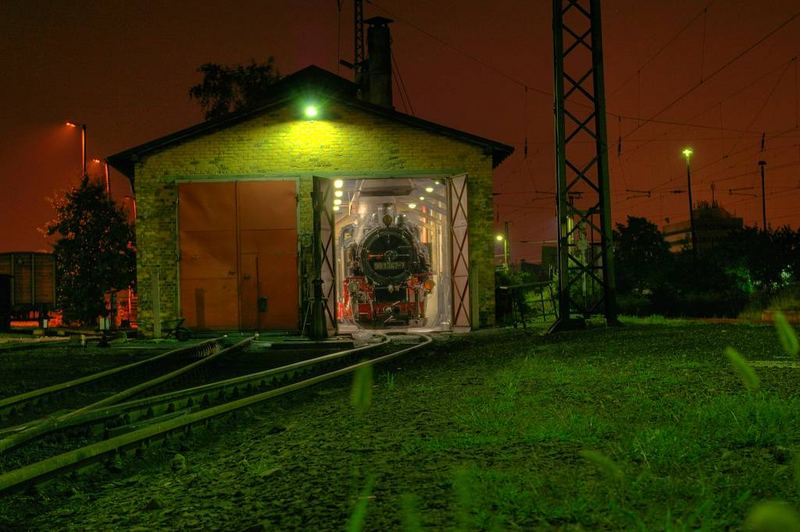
column 410, row 517
column 361, row 396
column 743, row 369
column 605, row 464
column 772, row 516
column 787, row 335
column 359, row 515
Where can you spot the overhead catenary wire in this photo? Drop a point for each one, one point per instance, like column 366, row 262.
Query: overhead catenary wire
column 724, row 66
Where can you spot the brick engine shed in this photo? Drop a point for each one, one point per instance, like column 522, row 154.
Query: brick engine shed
column 244, row 222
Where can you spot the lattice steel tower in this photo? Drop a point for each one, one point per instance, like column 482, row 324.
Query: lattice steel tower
column 586, row 285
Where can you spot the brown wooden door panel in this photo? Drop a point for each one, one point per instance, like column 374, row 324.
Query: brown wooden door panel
column 278, row 283
column 210, row 303
column 207, row 206
column 238, row 245
column 207, row 223
column 267, row 205
column 248, row 292
column 208, row 254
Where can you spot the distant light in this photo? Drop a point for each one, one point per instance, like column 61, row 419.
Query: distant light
column 338, row 193
column 422, row 198
column 338, row 183
column 71, row 124
column 499, row 238
column 428, row 189
column 436, row 183
column 335, row 208
column 412, row 205
column 337, row 201
column 311, row 111
column 687, row 152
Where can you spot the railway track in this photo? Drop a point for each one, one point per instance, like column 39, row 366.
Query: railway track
column 131, row 426
column 23, row 407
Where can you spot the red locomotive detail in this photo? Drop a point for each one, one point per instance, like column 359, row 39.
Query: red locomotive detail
column 387, row 275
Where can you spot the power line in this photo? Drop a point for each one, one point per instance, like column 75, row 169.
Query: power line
column 663, row 47
column 721, row 68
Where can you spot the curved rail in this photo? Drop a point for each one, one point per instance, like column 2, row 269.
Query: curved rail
column 105, row 413
column 10, row 406
column 35, row 429
column 40, row 471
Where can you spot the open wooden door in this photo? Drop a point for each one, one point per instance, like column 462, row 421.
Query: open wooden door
column 325, row 248
column 459, row 253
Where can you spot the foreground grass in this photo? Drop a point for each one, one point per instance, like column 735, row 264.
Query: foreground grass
column 646, row 426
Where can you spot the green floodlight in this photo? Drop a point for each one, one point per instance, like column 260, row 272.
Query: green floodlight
column 311, row 111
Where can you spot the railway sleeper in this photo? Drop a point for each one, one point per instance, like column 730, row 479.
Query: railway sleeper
column 124, row 429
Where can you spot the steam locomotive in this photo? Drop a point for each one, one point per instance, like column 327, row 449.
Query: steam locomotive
column 387, row 272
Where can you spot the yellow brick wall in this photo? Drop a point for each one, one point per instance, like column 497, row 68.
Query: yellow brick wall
column 280, row 145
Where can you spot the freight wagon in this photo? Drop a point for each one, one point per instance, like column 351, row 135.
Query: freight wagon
column 27, row 286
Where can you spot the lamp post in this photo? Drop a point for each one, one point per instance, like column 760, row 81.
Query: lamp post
column 105, row 175
column 83, row 144
column 761, row 165
column 504, row 240
column 687, row 152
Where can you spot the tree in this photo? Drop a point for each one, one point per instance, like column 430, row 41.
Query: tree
column 641, row 255
column 226, row 89
column 94, row 251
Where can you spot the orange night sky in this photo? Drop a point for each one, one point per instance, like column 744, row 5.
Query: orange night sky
column 715, row 75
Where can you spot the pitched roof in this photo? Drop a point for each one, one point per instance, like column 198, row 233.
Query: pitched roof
column 287, row 89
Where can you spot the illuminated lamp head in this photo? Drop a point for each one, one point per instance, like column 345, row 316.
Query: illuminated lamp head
column 338, row 183
column 499, row 238
column 687, row 152
column 311, row 111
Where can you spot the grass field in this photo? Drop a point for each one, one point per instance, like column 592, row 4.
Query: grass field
column 647, row 426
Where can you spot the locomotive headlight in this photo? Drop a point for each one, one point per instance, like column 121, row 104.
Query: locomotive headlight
column 311, row 111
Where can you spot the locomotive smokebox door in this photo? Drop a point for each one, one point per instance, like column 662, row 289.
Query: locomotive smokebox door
column 262, row 304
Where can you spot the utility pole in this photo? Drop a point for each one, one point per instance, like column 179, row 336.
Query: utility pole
column 582, row 176
column 506, row 245
column 761, row 164
column 687, row 152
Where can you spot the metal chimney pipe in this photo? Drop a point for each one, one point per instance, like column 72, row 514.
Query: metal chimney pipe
column 379, row 62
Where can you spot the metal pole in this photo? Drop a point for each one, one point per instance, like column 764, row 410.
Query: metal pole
column 562, row 210
column 83, row 148
column 691, row 210
column 603, row 177
column 108, row 181
column 506, row 246
column 762, row 164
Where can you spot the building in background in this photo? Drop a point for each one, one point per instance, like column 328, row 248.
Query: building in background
column 712, row 224
column 243, row 222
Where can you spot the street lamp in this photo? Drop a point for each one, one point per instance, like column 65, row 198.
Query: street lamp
column 105, row 175
column 504, row 240
column 687, row 152
column 83, row 144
